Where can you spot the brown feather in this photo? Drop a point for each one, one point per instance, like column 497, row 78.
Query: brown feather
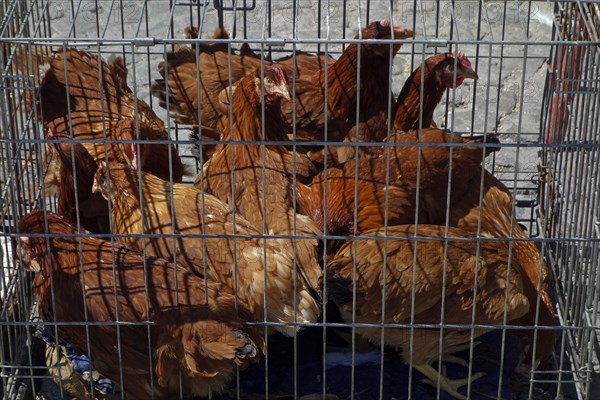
column 436, row 74
column 196, row 330
column 77, row 169
column 263, row 176
column 467, row 263
column 187, row 76
column 153, row 157
column 72, row 99
column 239, row 262
column 371, row 184
column 496, row 219
column 80, row 84
column 344, row 90
column 180, row 85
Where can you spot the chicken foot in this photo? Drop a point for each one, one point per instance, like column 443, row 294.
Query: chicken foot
column 450, row 358
column 448, row 385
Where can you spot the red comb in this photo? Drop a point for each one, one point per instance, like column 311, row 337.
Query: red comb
column 463, row 61
column 276, row 73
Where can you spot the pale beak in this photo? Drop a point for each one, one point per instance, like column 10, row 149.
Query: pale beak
column 402, row 33
column 469, row 73
column 96, row 187
column 282, row 90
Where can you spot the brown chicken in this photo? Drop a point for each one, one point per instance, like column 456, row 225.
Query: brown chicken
column 195, row 338
column 374, row 90
column 71, row 82
column 489, row 212
column 262, row 272
column 70, row 96
column 153, row 157
column 477, row 275
column 341, row 81
column 496, row 211
column 440, row 74
column 341, row 187
column 258, row 179
column 343, row 89
column 76, row 177
column 190, row 79
column 187, row 75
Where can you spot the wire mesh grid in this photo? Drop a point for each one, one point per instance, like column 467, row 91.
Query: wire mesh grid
column 537, row 90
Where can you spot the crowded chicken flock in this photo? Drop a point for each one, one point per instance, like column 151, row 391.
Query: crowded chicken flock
column 260, row 242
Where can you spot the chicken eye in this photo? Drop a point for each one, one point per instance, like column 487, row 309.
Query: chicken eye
column 268, row 81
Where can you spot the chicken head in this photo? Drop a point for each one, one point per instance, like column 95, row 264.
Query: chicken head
column 415, row 105
column 100, row 185
column 385, row 30
column 275, row 85
column 26, row 254
column 463, row 70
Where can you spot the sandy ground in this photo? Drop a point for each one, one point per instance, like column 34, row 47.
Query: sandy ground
column 505, row 100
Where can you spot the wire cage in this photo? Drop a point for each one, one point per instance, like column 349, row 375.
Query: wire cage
column 537, row 92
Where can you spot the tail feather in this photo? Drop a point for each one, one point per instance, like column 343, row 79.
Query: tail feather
column 176, row 90
column 339, row 289
column 118, row 72
column 161, row 90
column 209, row 341
column 32, row 61
column 191, row 32
column 246, row 51
column 219, row 33
column 168, row 102
column 205, row 149
column 491, row 140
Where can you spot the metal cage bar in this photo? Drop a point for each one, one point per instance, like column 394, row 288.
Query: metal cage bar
column 538, row 90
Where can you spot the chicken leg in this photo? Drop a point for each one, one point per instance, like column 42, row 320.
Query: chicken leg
column 450, row 358
column 449, row 385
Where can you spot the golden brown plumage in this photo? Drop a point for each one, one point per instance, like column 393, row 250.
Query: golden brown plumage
column 264, row 197
column 196, row 330
column 185, row 76
column 496, row 211
column 341, row 188
column 241, row 263
column 497, row 221
column 479, row 278
column 72, row 79
column 344, row 91
column 343, row 88
column 52, row 170
column 191, row 83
